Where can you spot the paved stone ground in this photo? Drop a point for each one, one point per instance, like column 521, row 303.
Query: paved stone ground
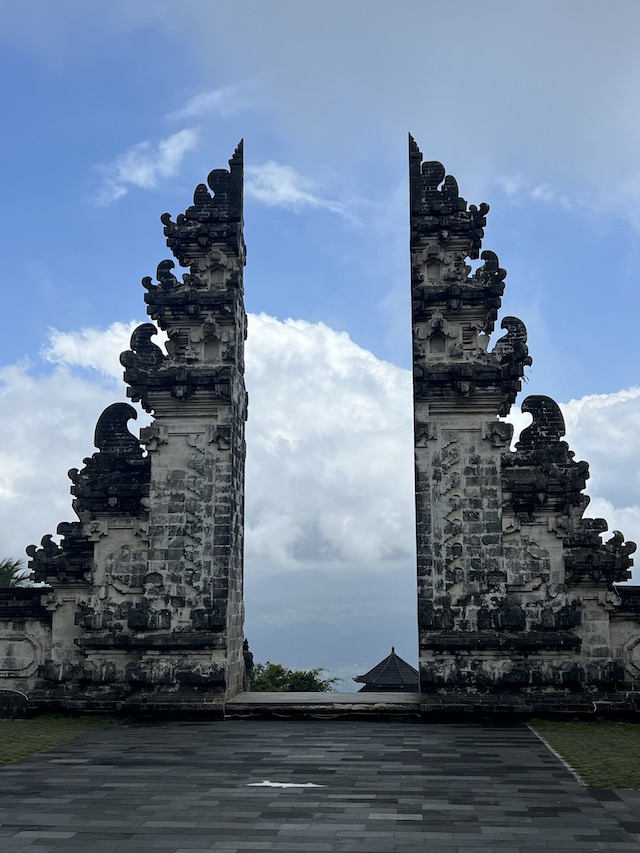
column 386, row 786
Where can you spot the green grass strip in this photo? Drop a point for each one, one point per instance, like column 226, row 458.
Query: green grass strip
column 20, row 738
column 605, row 754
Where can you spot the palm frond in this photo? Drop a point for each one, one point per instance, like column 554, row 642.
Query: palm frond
column 11, row 573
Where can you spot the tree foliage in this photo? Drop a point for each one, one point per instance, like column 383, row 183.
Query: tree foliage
column 273, row 677
column 11, row 573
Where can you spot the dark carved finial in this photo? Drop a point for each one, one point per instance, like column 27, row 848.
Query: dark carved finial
column 167, row 281
column 588, row 560
column 143, row 356
column 112, row 434
column 216, row 176
column 491, row 268
column 116, row 478
column 414, row 152
column 450, row 188
column 438, row 209
column 516, row 329
column 623, row 550
column 141, row 343
column 434, row 174
column 142, row 361
column 238, row 155
column 547, row 426
column 544, row 473
column 70, row 561
column 512, row 348
column 215, row 217
column 164, row 275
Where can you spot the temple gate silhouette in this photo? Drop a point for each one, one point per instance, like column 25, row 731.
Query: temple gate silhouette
column 519, row 602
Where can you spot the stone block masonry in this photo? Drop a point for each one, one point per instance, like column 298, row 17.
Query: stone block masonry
column 144, row 608
column 518, row 608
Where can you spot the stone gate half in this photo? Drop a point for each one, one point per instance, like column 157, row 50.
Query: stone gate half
column 145, row 606
column 517, row 603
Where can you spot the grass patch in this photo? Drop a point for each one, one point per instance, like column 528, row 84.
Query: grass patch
column 20, row 738
column 605, row 754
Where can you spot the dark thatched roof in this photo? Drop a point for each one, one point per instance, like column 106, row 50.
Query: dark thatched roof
column 391, row 674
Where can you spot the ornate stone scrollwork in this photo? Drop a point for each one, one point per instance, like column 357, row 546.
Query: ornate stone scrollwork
column 592, row 562
column 142, row 361
column 69, row 561
column 214, row 218
column 438, row 324
column 437, row 207
column 512, row 348
column 166, row 279
column 542, row 476
column 490, row 275
column 542, row 472
column 116, row 479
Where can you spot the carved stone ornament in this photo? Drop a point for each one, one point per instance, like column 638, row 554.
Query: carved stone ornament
column 214, row 218
column 116, row 478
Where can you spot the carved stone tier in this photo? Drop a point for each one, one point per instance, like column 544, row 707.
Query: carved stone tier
column 515, row 588
column 116, row 478
column 214, row 218
column 518, row 608
column 145, row 601
column 437, row 211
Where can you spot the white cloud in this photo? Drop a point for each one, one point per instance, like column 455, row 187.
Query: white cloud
column 330, row 462
column 518, row 189
column 557, row 113
column 144, row 164
column 277, row 185
column 553, row 196
column 602, row 430
column 47, row 429
column 224, row 101
column 98, row 349
column 330, row 471
column 329, row 474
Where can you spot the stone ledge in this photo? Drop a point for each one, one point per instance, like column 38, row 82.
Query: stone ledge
column 481, row 641
column 323, row 704
column 529, row 703
column 23, row 603
column 163, row 641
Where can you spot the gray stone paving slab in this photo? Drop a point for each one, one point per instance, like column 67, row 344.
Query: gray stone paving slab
column 386, row 787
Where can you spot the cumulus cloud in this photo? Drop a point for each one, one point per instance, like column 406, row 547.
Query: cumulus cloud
column 47, row 428
column 224, row 101
column 97, row 349
column 330, row 463
column 559, row 114
column 329, row 475
column 602, row 429
column 144, row 164
column 518, row 190
column 277, row 185
column 330, row 472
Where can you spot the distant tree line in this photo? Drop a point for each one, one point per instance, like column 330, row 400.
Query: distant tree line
column 275, row 678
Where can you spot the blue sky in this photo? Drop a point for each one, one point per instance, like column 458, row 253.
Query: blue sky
column 113, row 115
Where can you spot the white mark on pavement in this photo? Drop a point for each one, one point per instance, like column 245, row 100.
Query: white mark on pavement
column 267, row 784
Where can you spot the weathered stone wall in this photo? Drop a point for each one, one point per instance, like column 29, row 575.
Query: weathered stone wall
column 516, row 590
column 144, row 607
column 25, row 638
column 518, row 607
